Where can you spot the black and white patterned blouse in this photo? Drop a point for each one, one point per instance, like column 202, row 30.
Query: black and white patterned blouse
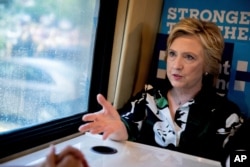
column 201, row 126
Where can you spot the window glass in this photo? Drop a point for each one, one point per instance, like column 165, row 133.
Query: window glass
column 46, row 54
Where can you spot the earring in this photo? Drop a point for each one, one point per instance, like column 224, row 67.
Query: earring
column 206, row 73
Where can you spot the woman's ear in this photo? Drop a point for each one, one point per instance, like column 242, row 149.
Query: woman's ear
column 206, row 69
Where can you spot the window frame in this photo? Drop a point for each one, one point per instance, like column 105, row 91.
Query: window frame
column 26, row 138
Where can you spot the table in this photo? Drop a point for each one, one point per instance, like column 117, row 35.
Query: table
column 129, row 154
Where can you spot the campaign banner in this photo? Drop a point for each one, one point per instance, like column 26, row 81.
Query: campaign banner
column 233, row 18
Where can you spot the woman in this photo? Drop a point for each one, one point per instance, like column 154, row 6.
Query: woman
column 186, row 115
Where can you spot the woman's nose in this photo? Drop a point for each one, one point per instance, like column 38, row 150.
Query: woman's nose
column 178, row 63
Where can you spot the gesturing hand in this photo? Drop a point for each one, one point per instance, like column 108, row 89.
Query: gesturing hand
column 106, row 121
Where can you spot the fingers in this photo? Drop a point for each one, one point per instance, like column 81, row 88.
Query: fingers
column 52, row 156
column 77, row 154
column 106, row 134
column 69, row 156
column 69, row 160
column 93, row 128
column 89, row 117
column 50, row 160
column 70, row 150
column 98, row 122
column 107, row 107
column 103, row 102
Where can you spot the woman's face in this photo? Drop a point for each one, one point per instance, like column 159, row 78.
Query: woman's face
column 185, row 62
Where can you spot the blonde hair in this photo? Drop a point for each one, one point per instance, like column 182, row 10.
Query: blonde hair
column 210, row 37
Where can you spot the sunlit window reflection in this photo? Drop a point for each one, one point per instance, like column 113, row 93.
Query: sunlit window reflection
column 46, row 51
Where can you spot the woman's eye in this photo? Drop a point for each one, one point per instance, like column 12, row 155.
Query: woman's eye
column 189, row 57
column 171, row 54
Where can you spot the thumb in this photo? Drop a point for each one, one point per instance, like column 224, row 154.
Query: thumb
column 50, row 160
column 107, row 107
column 103, row 102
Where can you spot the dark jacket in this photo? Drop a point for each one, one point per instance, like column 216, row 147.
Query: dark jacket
column 240, row 141
column 210, row 122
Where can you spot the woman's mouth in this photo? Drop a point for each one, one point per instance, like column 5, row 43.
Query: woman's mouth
column 177, row 76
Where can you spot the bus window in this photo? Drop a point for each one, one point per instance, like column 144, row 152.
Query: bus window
column 46, row 49
column 50, row 51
